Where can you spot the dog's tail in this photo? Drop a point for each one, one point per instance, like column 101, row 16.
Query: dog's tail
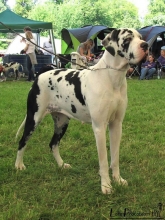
column 20, row 128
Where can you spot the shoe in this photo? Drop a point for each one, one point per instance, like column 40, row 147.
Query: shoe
column 129, row 77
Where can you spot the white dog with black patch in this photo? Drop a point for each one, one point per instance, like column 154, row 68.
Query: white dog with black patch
column 97, row 95
column 12, row 67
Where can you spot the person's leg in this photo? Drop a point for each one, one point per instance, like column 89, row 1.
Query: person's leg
column 32, row 72
column 143, row 73
column 29, row 66
column 150, row 73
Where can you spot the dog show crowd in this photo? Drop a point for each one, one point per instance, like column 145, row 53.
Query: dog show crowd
column 149, row 67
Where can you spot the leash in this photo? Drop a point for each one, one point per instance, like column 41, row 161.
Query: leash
column 7, row 27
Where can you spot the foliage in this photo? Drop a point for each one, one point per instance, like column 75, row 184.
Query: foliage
column 158, row 19
column 78, row 13
column 155, row 14
column 43, row 191
column 156, row 7
column 68, row 65
column 4, row 44
column 2, row 5
column 23, row 7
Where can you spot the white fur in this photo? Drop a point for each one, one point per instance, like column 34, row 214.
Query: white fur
column 104, row 89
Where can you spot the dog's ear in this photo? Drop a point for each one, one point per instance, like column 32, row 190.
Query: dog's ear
column 107, row 42
column 115, row 34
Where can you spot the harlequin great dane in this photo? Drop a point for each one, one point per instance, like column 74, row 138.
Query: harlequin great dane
column 13, row 67
column 97, row 95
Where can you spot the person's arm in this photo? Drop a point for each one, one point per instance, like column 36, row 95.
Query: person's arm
column 44, row 46
column 26, row 47
column 89, row 53
column 143, row 65
column 81, row 51
column 153, row 65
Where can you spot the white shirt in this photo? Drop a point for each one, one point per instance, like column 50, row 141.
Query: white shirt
column 48, row 46
column 31, row 47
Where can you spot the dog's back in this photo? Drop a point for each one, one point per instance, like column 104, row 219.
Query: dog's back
column 45, row 68
column 14, row 67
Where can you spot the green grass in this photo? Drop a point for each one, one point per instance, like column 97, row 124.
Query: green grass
column 43, row 191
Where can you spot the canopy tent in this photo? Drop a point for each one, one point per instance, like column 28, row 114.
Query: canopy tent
column 71, row 38
column 15, row 23
column 151, row 34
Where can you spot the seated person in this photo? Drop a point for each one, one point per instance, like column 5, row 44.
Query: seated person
column 84, row 49
column 48, row 46
column 148, row 68
column 161, row 59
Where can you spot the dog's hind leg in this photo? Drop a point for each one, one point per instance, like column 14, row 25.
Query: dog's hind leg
column 33, row 118
column 60, row 126
column 30, row 125
column 16, row 74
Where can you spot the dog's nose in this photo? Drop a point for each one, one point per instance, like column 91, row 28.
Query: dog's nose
column 144, row 46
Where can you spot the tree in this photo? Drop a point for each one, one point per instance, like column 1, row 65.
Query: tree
column 155, row 14
column 2, row 5
column 156, row 7
column 23, row 7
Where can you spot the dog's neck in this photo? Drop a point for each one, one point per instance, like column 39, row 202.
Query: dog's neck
column 119, row 63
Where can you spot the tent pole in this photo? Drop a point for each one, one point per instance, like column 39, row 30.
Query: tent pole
column 53, row 44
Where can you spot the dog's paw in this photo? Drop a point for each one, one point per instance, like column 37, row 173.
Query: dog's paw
column 20, row 166
column 66, row 166
column 106, row 189
column 120, row 181
column 106, row 186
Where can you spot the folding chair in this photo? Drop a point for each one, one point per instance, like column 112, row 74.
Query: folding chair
column 135, row 71
column 160, row 70
column 78, row 62
column 63, row 60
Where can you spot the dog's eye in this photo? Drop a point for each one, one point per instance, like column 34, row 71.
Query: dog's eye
column 127, row 41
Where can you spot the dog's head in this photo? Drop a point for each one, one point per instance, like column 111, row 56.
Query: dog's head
column 126, row 43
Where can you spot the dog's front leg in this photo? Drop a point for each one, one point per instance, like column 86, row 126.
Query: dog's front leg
column 100, row 136
column 115, row 128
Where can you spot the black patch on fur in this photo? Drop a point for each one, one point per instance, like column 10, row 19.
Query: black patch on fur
column 56, row 72
column 120, row 53
column 59, row 79
column 73, row 108
column 126, row 30
column 45, row 68
column 73, row 79
column 57, row 136
column 59, row 70
column 32, row 107
column 115, row 34
column 125, row 48
column 50, row 81
column 111, row 50
column 131, row 56
column 57, row 96
column 9, row 64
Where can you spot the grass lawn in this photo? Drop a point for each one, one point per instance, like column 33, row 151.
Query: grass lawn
column 45, row 192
